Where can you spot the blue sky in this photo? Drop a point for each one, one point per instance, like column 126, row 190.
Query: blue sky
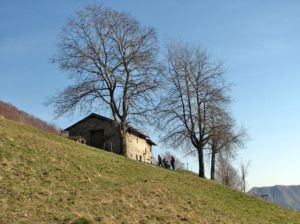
column 259, row 42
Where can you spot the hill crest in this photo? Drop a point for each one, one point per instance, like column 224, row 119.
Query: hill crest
column 11, row 112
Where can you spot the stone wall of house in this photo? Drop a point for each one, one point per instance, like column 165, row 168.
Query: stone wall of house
column 84, row 128
column 138, row 148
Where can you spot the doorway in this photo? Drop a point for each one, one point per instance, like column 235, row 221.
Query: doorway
column 97, row 138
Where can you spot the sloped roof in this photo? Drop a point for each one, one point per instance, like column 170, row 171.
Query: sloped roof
column 131, row 130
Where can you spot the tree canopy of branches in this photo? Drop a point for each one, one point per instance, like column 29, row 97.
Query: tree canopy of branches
column 193, row 88
column 111, row 59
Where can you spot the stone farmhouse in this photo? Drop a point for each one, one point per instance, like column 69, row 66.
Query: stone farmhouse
column 100, row 132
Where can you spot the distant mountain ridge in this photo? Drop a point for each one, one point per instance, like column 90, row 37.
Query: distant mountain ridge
column 284, row 196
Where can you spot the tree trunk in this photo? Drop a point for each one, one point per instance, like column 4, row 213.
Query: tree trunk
column 213, row 164
column 201, row 162
column 123, row 142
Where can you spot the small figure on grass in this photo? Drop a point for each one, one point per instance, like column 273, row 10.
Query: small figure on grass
column 173, row 162
column 166, row 163
column 159, row 161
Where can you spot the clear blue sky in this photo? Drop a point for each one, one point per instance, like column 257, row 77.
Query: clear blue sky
column 259, row 41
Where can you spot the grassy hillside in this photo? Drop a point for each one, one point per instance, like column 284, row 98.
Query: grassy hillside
column 45, row 178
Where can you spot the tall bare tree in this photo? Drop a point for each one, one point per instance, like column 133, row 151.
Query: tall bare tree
column 244, row 167
column 224, row 136
column 193, row 85
column 111, row 59
column 218, row 135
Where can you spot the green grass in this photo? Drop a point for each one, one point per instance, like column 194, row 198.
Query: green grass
column 49, row 179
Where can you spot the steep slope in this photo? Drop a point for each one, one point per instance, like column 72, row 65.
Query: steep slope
column 45, row 178
column 285, row 196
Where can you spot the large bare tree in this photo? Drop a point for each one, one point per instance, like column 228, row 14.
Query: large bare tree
column 193, row 85
column 111, row 59
column 223, row 136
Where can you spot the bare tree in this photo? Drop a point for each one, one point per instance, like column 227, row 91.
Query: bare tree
column 220, row 126
column 224, row 136
column 244, row 167
column 192, row 86
column 226, row 173
column 111, row 59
